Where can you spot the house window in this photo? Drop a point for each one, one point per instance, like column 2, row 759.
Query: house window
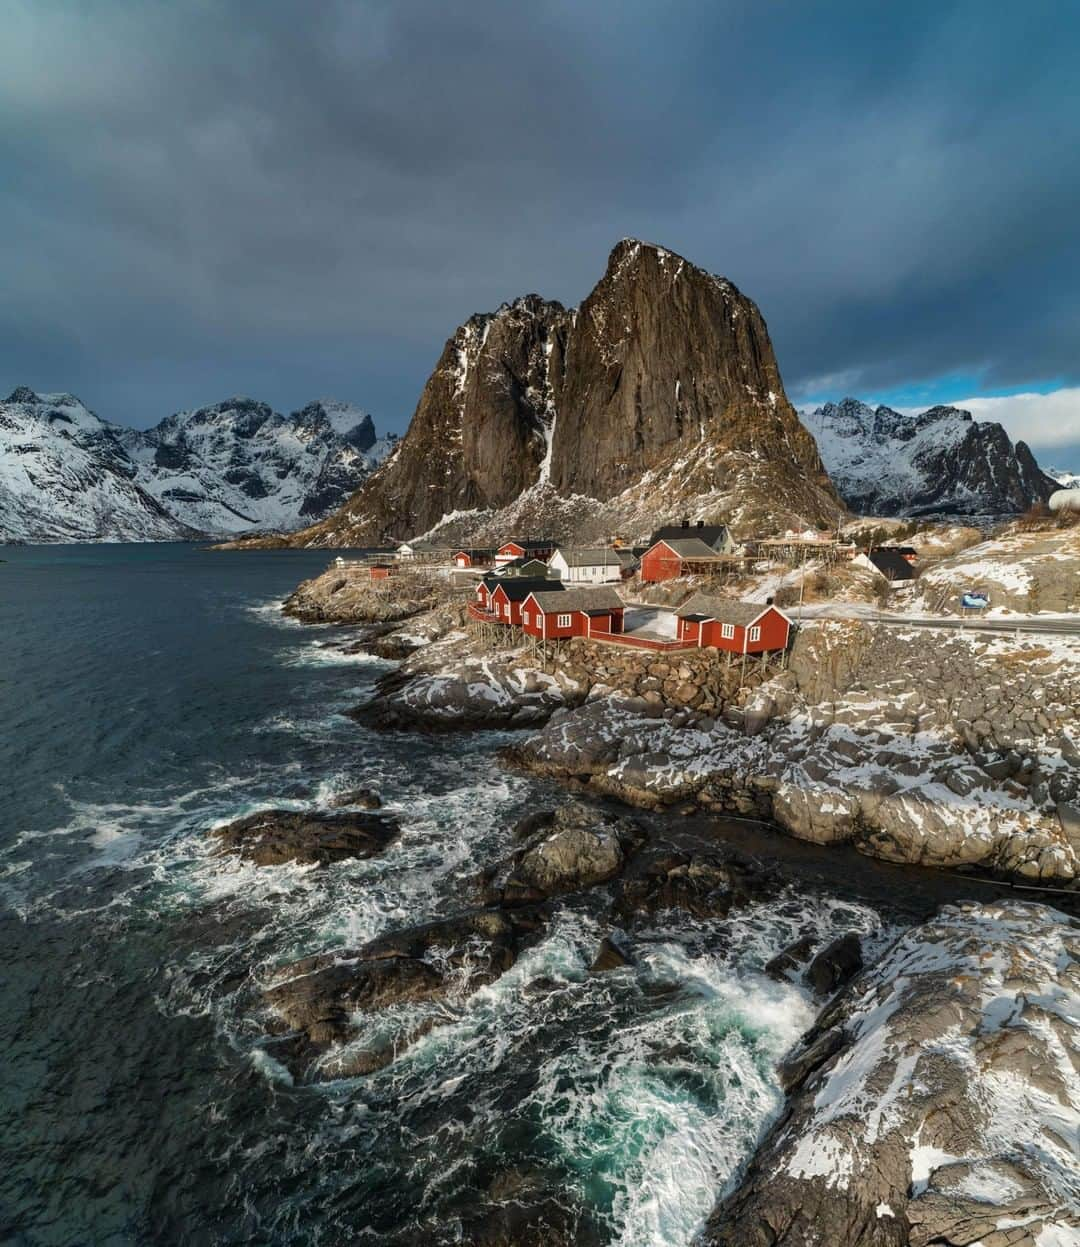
column 526, row 618
column 755, row 634
column 506, row 610
column 727, row 631
column 563, row 621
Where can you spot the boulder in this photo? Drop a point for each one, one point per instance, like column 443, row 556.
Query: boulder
column 578, row 847
column 363, row 798
column 613, row 954
column 707, row 884
column 935, row 1099
column 790, row 961
column 836, row 964
column 311, row 837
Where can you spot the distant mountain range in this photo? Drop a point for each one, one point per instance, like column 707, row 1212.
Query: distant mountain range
column 232, row 468
column 658, row 398
column 939, row 462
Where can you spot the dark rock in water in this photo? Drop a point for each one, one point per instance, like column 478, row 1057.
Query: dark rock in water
column 576, row 847
column 272, row 837
column 796, row 1069
column 317, row 995
column 836, row 964
column 705, row 884
column 613, row 954
column 532, row 823
column 789, row 961
column 365, row 798
column 356, row 1062
column 520, row 1206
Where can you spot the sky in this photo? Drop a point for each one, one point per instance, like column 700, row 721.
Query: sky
column 299, row 198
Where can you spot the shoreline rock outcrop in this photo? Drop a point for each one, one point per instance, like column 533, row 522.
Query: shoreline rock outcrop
column 314, row 999
column 576, row 846
column 935, row 1101
column 308, row 837
column 958, row 752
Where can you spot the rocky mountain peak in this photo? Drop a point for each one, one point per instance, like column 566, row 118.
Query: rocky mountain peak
column 22, row 394
column 664, row 371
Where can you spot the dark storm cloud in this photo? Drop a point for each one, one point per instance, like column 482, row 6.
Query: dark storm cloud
column 289, row 199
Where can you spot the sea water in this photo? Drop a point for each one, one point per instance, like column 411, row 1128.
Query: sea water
column 149, row 693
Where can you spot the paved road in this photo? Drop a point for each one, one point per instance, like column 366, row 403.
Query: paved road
column 1055, row 625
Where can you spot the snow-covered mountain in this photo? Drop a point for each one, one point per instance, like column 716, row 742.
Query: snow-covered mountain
column 885, row 463
column 239, row 466
column 1065, row 479
column 67, row 475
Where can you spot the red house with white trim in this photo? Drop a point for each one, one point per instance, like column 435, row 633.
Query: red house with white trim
column 506, row 598
column 525, row 547
column 572, row 612
column 737, row 627
column 671, row 557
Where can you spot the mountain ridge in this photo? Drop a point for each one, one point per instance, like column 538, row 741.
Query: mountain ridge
column 228, row 468
column 939, row 461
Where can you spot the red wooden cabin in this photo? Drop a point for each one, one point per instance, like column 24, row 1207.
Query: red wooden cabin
column 573, row 612
column 506, row 598
column 737, row 627
column 664, row 560
column 382, row 571
column 525, row 547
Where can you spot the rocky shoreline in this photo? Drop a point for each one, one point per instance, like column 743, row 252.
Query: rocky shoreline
column 936, row 1099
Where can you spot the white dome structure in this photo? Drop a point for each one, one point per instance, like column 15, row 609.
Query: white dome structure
column 1065, row 500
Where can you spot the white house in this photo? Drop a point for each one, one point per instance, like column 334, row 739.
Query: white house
column 595, row 565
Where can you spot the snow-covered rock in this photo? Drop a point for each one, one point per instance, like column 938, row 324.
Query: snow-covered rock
column 1066, row 479
column 942, row 461
column 936, row 1100
column 67, row 475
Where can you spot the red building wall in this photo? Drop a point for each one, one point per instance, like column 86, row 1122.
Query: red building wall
column 602, row 625
column 498, row 605
column 660, row 562
column 774, row 635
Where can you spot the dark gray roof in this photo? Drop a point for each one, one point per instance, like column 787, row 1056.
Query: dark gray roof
column 599, row 600
column 726, row 610
column 690, row 548
column 590, row 556
column 711, row 534
column 892, row 564
column 518, row 588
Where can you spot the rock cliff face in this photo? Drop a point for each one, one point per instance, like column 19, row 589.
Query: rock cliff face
column 942, row 461
column 660, row 392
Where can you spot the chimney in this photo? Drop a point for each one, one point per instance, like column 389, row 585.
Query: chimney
column 686, row 523
column 768, row 601
column 701, row 523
